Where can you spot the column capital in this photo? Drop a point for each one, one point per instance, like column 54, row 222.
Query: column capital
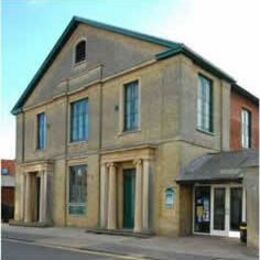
column 105, row 164
column 137, row 162
column 147, row 159
column 111, row 164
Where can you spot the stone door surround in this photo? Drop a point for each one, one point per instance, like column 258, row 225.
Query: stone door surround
column 29, row 173
column 110, row 163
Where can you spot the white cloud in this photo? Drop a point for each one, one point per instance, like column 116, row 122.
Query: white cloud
column 225, row 32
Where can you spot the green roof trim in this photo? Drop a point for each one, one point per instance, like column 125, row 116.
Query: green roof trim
column 174, row 49
column 182, row 49
column 65, row 36
column 245, row 93
column 129, row 33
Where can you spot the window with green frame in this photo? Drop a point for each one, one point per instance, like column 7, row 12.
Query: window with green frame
column 79, row 121
column 77, row 189
column 205, row 105
column 131, row 106
column 41, row 131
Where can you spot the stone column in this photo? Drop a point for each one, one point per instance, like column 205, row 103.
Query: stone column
column 43, row 197
column 146, row 195
column 27, row 200
column 22, row 194
column 112, row 197
column 103, row 195
column 138, row 197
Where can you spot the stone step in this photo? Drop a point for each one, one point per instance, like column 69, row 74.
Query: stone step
column 119, row 232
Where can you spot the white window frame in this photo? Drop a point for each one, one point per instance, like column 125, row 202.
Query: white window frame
column 227, row 232
column 246, row 128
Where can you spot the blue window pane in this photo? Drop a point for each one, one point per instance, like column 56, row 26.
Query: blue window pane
column 131, row 113
column 41, row 131
column 79, row 120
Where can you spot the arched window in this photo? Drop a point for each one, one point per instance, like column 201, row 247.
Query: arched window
column 80, row 51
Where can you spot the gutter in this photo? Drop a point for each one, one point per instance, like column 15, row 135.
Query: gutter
column 196, row 58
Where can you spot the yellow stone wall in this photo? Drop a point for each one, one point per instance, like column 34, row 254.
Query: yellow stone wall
column 168, row 92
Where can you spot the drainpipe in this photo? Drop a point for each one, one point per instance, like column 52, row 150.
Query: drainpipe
column 66, row 151
column 23, row 136
column 100, row 136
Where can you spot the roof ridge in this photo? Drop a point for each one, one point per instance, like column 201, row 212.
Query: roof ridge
column 62, row 40
column 127, row 32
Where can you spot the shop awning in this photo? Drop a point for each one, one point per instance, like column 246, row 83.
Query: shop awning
column 219, row 167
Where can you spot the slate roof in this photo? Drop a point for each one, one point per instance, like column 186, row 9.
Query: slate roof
column 174, row 48
column 222, row 166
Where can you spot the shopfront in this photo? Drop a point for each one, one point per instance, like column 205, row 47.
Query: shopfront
column 218, row 209
column 219, row 195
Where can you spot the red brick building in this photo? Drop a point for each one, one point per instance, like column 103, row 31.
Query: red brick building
column 7, row 188
column 244, row 125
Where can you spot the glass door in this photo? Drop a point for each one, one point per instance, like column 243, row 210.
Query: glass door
column 219, row 215
column 236, row 209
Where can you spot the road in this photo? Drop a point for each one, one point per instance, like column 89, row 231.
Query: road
column 16, row 250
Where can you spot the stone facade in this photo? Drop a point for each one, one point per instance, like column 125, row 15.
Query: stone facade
column 166, row 141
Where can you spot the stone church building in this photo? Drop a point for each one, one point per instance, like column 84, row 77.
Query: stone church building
column 110, row 127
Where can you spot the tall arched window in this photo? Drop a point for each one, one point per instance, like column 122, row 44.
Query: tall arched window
column 80, row 51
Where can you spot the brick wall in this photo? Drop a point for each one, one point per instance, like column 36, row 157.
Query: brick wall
column 10, row 165
column 7, row 194
column 238, row 102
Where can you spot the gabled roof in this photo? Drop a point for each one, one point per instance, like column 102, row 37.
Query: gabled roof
column 75, row 21
column 174, row 48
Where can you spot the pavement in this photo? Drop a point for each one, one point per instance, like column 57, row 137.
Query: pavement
column 122, row 247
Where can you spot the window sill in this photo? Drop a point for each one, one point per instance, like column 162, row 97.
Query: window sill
column 129, row 132
column 79, row 64
column 77, row 215
column 78, row 142
column 37, row 150
column 205, row 132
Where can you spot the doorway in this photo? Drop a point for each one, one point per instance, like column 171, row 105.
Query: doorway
column 218, row 209
column 219, row 215
column 38, row 190
column 129, row 198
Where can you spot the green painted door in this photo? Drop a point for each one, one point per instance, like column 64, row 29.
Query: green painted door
column 129, row 198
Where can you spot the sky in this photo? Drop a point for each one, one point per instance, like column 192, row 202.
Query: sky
column 224, row 32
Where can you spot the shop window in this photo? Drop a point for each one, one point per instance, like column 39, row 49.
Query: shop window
column 202, row 209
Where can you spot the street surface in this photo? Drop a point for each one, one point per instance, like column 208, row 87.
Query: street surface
column 16, row 250
column 19, row 250
column 28, row 243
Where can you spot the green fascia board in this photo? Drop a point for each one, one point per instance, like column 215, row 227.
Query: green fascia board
column 44, row 67
column 182, row 49
column 129, row 33
column 64, row 37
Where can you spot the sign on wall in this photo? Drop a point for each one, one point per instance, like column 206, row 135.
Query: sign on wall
column 4, row 171
column 170, row 197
